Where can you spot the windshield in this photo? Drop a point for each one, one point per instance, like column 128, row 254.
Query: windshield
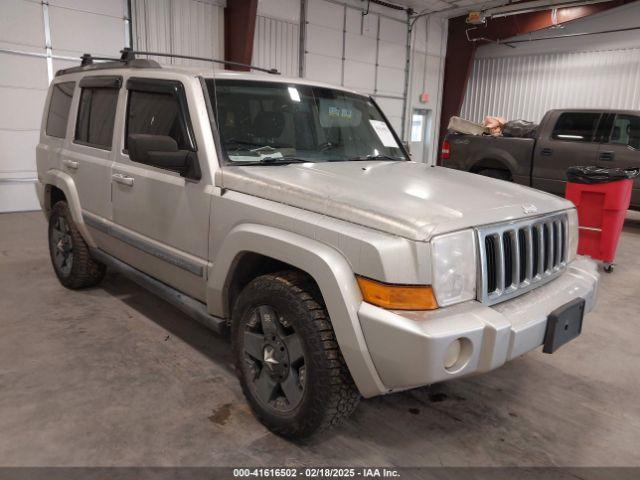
column 263, row 122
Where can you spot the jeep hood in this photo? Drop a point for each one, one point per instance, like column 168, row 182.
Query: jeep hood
column 408, row 199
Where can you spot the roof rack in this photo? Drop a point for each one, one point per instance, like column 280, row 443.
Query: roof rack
column 128, row 59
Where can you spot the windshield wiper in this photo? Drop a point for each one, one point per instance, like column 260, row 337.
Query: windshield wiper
column 376, row 157
column 274, row 161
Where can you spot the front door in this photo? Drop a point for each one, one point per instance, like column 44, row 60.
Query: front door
column 621, row 149
column 573, row 141
column 161, row 218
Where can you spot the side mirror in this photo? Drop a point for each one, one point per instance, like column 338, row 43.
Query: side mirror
column 162, row 151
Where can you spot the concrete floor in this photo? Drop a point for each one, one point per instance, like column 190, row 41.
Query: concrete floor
column 115, row 376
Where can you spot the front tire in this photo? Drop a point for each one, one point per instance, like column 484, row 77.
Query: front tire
column 287, row 358
column 69, row 253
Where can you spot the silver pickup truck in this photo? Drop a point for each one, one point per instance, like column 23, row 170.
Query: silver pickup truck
column 288, row 212
column 564, row 138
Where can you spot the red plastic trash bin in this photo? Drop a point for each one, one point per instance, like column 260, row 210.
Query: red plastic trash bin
column 601, row 211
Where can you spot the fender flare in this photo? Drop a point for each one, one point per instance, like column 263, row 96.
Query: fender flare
column 506, row 160
column 329, row 269
column 66, row 183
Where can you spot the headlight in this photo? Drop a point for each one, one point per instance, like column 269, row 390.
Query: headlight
column 572, row 226
column 453, row 259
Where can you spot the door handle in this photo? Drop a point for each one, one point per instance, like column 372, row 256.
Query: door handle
column 546, row 152
column 608, row 156
column 122, row 179
column 70, row 164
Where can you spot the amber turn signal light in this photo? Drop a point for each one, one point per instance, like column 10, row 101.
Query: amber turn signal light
column 397, row 297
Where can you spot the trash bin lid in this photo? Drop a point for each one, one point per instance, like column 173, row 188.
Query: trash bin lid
column 594, row 174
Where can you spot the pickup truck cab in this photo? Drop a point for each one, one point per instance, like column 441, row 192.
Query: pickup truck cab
column 564, row 138
column 288, row 212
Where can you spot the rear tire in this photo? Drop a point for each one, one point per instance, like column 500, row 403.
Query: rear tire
column 69, row 253
column 287, row 358
column 496, row 173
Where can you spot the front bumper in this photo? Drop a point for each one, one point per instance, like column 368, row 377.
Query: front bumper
column 408, row 348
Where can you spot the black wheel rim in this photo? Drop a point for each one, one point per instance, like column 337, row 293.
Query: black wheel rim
column 62, row 246
column 274, row 359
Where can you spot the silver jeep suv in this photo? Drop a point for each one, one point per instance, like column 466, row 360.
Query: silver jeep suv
column 288, row 212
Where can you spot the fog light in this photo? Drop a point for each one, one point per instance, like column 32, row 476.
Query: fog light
column 452, row 354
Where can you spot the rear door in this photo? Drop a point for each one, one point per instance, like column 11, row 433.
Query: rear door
column 161, row 218
column 573, row 140
column 621, row 148
column 88, row 156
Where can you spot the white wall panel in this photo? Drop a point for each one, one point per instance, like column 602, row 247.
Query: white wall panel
column 21, row 24
column 323, row 68
column 96, row 7
column 360, row 48
column 323, row 40
column 187, row 27
column 526, row 87
column 392, row 55
column 76, row 26
column 276, row 44
column 390, row 81
column 287, row 10
column 595, row 71
column 358, row 24
column 360, row 76
column 74, row 32
column 320, row 12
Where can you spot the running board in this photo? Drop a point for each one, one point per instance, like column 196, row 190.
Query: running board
column 190, row 306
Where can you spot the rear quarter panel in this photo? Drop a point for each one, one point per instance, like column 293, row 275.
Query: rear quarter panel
column 475, row 152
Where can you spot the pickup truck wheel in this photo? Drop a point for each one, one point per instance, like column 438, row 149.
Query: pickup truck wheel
column 69, row 252
column 496, row 173
column 287, row 358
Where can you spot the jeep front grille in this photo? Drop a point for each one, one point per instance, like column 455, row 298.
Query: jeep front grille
column 518, row 256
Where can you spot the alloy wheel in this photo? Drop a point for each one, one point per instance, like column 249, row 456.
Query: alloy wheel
column 274, row 359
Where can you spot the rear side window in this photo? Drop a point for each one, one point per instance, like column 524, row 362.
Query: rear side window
column 155, row 113
column 626, row 131
column 96, row 115
column 576, row 126
column 61, row 96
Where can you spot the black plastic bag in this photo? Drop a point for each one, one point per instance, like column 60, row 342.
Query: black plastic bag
column 593, row 174
column 519, row 128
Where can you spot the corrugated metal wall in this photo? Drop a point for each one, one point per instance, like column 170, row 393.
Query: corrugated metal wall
column 187, row 27
column 527, row 86
column 276, row 44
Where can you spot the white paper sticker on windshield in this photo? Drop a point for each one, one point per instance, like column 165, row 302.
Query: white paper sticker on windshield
column 384, row 134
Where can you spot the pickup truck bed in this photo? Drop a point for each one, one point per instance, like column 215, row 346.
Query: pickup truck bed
column 609, row 139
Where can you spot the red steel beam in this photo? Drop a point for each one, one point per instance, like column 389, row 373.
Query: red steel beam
column 460, row 51
column 239, row 29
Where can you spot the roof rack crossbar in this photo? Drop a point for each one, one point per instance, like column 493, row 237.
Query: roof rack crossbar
column 128, row 58
column 87, row 59
column 203, row 59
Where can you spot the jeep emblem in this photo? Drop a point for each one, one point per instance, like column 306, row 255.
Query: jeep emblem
column 529, row 208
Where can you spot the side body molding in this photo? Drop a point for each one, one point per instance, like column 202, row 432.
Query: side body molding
column 65, row 183
column 329, row 269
